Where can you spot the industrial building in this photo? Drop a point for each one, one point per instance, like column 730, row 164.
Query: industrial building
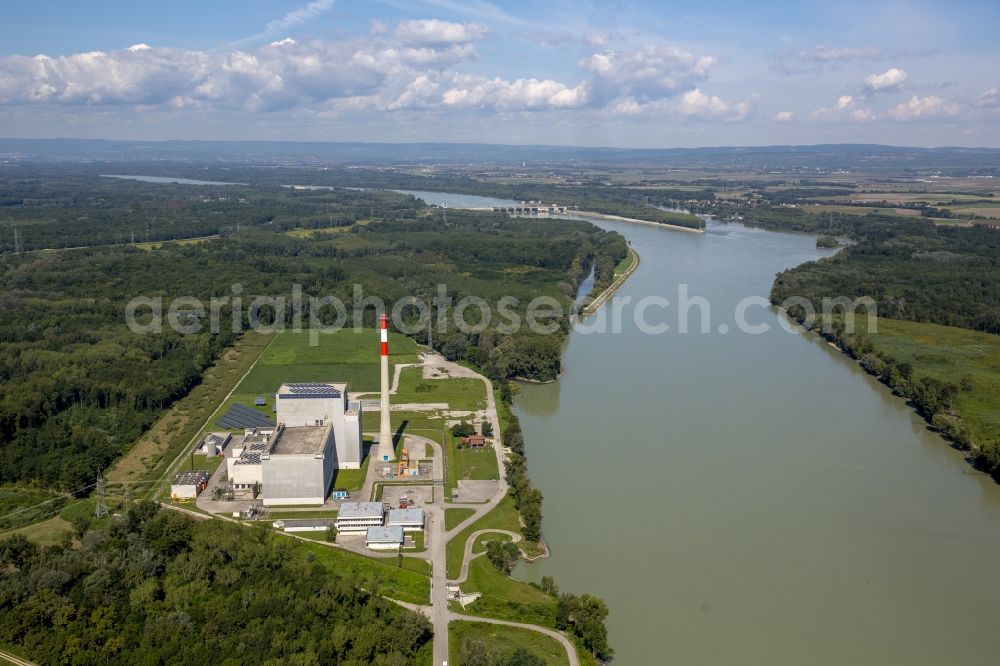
column 188, row 485
column 318, row 432
column 357, row 517
column 410, row 520
column 384, row 538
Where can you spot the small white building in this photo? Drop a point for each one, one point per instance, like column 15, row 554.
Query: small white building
column 411, row 520
column 188, row 485
column 357, row 517
column 215, row 443
column 304, row 525
column 384, row 538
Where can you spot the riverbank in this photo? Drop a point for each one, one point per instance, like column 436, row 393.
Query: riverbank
column 603, row 297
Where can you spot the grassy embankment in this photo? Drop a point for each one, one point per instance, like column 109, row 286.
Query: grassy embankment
column 504, row 640
column 454, row 517
column 952, row 355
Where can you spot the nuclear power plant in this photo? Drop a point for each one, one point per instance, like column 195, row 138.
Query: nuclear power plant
column 317, row 430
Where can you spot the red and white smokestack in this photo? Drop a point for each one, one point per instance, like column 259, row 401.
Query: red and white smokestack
column 384, row 330
column 386, row 450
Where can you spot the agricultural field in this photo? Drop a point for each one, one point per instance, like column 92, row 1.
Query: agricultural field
column 979, row 210
column 860, row 210
column 901, row 197
column 951, row 355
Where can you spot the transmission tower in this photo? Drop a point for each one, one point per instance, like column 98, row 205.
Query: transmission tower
column 102, row 506
column 18, row 248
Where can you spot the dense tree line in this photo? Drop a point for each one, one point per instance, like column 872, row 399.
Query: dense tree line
column 58, row 206
column 913, row 270
column 159, row 588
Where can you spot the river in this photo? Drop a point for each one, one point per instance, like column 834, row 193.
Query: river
column 754, row 499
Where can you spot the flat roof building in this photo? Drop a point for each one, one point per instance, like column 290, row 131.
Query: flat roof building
column 304, row 525
column 411, row 520
column 357, row 517
column 384, row 538
column 188, row 485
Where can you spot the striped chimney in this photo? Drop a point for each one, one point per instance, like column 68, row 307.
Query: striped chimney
column 385, row 448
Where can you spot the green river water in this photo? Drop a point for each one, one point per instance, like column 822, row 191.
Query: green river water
column 754, row 499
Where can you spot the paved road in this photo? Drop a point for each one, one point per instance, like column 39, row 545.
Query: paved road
column 14, row 659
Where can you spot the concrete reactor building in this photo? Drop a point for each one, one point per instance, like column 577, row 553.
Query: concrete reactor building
column 318, row 432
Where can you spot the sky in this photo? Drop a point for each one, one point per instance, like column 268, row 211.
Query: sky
column 630, row 74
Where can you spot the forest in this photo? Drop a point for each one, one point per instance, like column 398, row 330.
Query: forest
column 78, row 386
column 914, row 269
column 156, row 587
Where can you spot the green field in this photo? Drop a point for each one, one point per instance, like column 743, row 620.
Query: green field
column 951, row 354
column 504, row 640
column 461, row 393
column 505, row 598
column 454, row 517
column 979, row 210
column 860, row 210
column 625, row 264
column 344, row 356
column 480, row 544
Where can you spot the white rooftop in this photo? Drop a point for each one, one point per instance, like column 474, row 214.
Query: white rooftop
column 412, row 516
column 360, row 510
column 384, row 535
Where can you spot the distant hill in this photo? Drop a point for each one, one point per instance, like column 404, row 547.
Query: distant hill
column 869, row 157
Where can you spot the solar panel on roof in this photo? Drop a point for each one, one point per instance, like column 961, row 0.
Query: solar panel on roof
column 240, row 416
column 310, row 390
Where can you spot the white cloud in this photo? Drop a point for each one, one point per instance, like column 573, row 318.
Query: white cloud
column 846, row 108
column 989, row 99
column 784, row 116
column 300, row 15
column 647, row 73
column 924, row 107
column 692, row 105
column 433, row 31
column 887, row 81
column 521, row 94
